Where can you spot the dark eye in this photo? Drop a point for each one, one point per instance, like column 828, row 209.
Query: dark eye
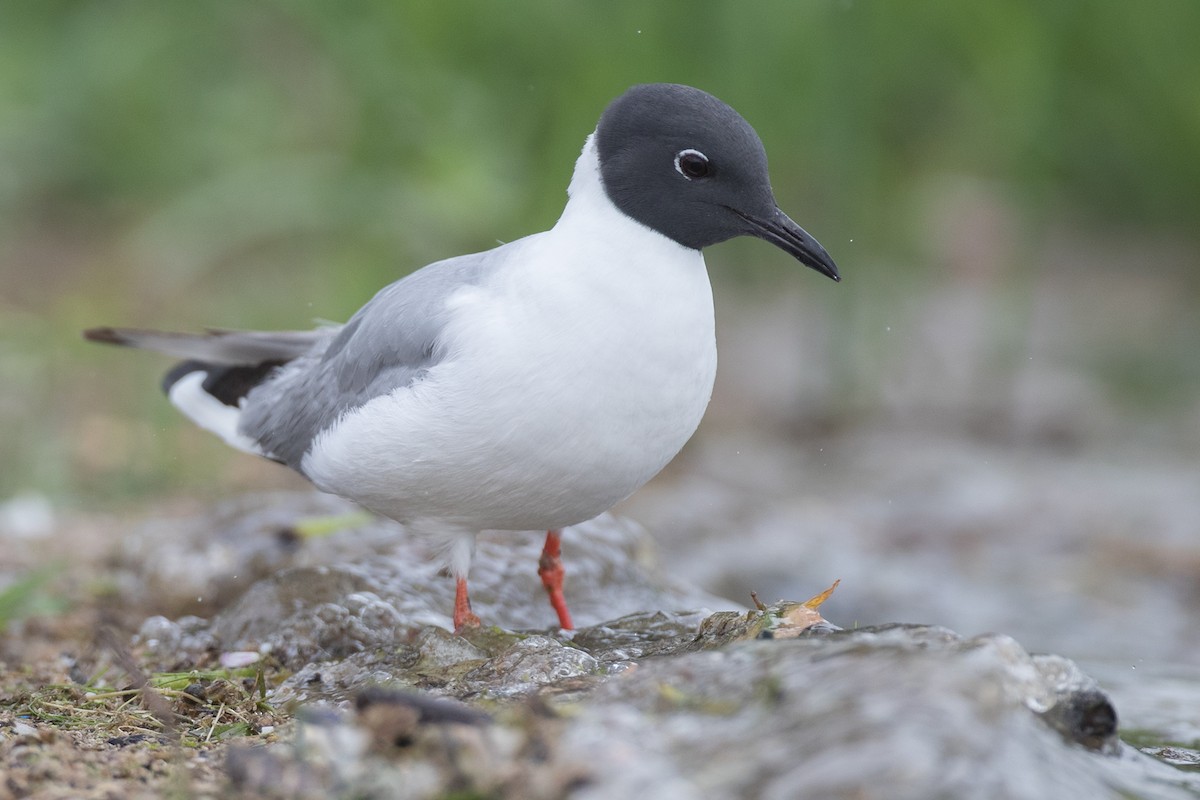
column 691, row 164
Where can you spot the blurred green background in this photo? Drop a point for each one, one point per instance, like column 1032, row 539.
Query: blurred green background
column 995, row 169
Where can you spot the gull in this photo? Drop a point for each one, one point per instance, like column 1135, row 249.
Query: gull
column 529, row 387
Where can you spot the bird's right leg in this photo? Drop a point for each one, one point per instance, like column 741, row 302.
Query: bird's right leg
column 464, row 617
column 459, row 553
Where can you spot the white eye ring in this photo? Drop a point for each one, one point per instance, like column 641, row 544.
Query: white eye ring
column 690, row 154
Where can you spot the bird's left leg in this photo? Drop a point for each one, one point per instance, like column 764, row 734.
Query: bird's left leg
column 550, row 569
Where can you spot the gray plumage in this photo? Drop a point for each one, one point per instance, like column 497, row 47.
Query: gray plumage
column 390, row 343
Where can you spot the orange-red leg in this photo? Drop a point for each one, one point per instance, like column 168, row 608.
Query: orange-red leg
column 464, row 617
column 550, row 569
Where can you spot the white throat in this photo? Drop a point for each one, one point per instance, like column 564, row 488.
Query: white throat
column 589, row 208
column 586, row 177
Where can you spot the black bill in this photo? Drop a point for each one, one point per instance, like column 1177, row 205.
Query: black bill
column 791, row 238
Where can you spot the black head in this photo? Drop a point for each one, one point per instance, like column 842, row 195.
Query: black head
column 680, row 161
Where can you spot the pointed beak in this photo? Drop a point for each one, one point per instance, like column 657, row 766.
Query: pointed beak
column 779, row 230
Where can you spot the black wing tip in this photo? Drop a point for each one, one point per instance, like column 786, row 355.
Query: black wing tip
column 105, row 335
column 226, row 383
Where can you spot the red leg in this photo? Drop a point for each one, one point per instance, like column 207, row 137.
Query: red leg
column 464, row 617
column 550, row 568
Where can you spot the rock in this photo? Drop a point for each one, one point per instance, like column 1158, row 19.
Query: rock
column 888, row 712
column 366, row 602
column 650, row 701
column 892, row 712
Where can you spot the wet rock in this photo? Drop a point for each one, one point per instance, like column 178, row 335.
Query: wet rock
column 1078, row 708
column 644, row 700
column 889, row 712
column 1087, row 718
column 439, row 650
column 493, row 664
column 622, row 641
column 363, row 599
column 311, row 612
column 528, row 665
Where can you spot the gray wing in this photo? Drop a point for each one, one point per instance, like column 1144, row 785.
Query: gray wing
column 391, row 342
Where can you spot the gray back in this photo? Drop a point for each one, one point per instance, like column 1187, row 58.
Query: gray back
column 390, row 343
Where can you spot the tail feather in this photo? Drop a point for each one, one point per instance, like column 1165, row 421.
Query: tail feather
column 218, row 370
column 228, row 384
column 235, row 348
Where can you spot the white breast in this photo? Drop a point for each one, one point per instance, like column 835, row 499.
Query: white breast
column 573, row 375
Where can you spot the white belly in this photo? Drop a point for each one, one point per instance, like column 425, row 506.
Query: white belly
column 551, row 405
